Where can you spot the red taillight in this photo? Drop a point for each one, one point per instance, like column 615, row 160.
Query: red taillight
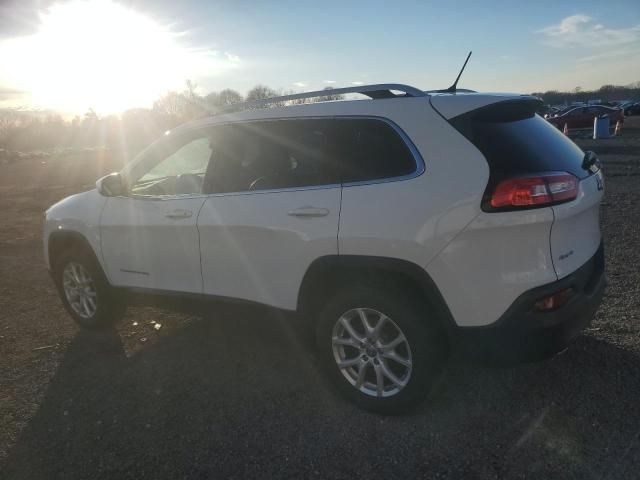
column 539, row 190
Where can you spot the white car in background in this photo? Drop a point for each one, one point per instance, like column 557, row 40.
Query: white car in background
column 404, row 227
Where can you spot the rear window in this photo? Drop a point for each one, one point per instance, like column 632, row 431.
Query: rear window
column 515, row 141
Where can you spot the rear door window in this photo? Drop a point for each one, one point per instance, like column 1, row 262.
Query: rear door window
column 271, row 155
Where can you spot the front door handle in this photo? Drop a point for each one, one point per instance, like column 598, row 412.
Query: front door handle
column 179, row 213
column 309, row 212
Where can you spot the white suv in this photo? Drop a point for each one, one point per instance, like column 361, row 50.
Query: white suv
column 406, row 227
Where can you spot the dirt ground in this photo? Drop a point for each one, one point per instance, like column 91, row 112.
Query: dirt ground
column 236, row 394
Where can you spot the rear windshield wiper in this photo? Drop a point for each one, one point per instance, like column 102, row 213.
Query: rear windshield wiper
column 591, row 162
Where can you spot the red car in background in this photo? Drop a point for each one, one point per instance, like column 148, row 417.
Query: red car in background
column 582, row 117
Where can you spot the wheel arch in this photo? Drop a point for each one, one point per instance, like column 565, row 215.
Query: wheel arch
column 326, row 274
column 63, row 240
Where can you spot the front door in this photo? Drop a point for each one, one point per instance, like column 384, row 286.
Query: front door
column 150, row 237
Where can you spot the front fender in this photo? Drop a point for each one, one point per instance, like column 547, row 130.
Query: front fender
column 79, row 214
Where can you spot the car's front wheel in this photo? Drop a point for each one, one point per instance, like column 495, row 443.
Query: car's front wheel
column 85, row 291
column 379, row 347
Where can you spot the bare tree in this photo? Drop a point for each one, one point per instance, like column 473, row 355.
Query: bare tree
column 229, row 97
column 260, row 92
column 190, row 92
column 9, row 122
column 169, row 104
column 90, row 116
column 224, row 99
column 181, row 107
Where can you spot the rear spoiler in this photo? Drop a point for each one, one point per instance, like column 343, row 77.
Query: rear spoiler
column 454, row 105
column 504, row 111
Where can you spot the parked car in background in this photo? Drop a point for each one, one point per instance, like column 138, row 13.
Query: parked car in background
column 561, row 110
column 582, row 117
column 632, row 108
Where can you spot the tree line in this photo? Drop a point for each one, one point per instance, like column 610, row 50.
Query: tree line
column 606, row 93
column 133, row 129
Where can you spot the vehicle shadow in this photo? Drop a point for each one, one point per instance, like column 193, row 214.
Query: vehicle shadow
column 236, row 394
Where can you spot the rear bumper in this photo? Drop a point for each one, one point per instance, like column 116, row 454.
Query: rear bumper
column 523, row 334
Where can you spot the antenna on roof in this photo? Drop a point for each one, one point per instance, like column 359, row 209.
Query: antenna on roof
column 453, row 88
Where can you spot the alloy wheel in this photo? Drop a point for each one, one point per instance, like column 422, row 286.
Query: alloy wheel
column 80, row 290
column 371, row 352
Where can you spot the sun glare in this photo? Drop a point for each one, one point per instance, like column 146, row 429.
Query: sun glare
column 102, row 55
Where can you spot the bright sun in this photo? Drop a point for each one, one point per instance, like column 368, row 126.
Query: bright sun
column 102, row 55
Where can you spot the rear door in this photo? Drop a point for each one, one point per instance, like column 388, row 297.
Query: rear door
column 273, row 209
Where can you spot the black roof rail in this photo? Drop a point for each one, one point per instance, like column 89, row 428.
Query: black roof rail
column 377, row 91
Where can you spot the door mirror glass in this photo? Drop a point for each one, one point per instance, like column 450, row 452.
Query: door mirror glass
column 111, row 185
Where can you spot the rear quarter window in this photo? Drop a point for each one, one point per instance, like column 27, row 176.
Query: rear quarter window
column 369, row 149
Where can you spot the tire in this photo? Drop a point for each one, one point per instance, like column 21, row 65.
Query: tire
column 423, row 347
column 107, row 305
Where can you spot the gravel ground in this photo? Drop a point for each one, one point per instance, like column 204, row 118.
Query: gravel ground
column 235, row 394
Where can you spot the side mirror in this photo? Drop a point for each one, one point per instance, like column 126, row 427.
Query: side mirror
column 111, row 185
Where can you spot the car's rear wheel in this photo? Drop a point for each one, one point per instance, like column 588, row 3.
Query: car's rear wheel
column 379, row 347
column 85, row 291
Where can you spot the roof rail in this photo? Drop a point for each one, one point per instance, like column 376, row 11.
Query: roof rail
column 382, row 90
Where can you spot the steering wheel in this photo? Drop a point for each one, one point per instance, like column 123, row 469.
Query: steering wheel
column 256, row 182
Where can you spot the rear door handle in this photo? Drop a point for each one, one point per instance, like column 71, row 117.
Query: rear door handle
column 309, row 212
column 179, row 213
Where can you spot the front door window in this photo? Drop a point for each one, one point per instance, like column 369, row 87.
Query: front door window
column 173, row 168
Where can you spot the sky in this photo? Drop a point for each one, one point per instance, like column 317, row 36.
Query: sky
column 111, row 55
